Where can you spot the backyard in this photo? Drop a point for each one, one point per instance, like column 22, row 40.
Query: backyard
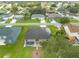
column 28, row 21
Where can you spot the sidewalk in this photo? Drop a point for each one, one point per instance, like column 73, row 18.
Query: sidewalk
column 37, row 54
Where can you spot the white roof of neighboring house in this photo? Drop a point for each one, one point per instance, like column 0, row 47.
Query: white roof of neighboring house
column 58, row 25
column 18, row 16
column 2, row 40
column 39, row 16
column 5, row 18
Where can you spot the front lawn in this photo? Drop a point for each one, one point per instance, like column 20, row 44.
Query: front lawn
column 52, row 28
column 28, row 21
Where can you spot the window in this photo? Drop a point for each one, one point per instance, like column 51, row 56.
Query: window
column 30, row 43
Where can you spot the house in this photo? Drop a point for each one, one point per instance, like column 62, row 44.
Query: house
column 9, row 35
column 52, row 20
column 36, row 34
column 54, row 14
column 18, row 16
column 38, row 16
column 72, row 32
column 5, row 17
column 56, row 24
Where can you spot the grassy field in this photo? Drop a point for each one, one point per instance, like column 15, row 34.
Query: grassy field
column 28, row 21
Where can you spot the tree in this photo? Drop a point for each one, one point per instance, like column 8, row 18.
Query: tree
column 53, row 5
column 72, row 52
column 73, row 10
column 38, row 11
column 59, row 46
column 77, row 5
column 64, row 20
column 14, row 9
column 27, row 15
column 56, row 45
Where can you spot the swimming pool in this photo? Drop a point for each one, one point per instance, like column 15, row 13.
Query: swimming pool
column 10, row 35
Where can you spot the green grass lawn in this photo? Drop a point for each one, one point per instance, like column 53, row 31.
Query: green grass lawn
column 57, row 19
column 52, row 28
column 47, row 20
column 28, row 21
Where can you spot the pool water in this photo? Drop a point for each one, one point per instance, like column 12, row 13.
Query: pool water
column 9, row 34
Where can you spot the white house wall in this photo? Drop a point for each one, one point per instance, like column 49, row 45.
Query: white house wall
column 70, row 33
column 67, row 30
column 75, row 34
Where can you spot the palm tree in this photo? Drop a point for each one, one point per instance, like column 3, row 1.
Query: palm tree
column 14, row 9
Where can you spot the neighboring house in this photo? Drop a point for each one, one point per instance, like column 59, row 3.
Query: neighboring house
column 52, row 20
column 34, row 34
column 53, row 14
column 6, row 16
column 73, row 32
column 38, row 16
column 56, row 24
column 18, row 16
column 9, row 35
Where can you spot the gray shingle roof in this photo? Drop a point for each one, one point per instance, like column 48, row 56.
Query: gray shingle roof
column 37, row 33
